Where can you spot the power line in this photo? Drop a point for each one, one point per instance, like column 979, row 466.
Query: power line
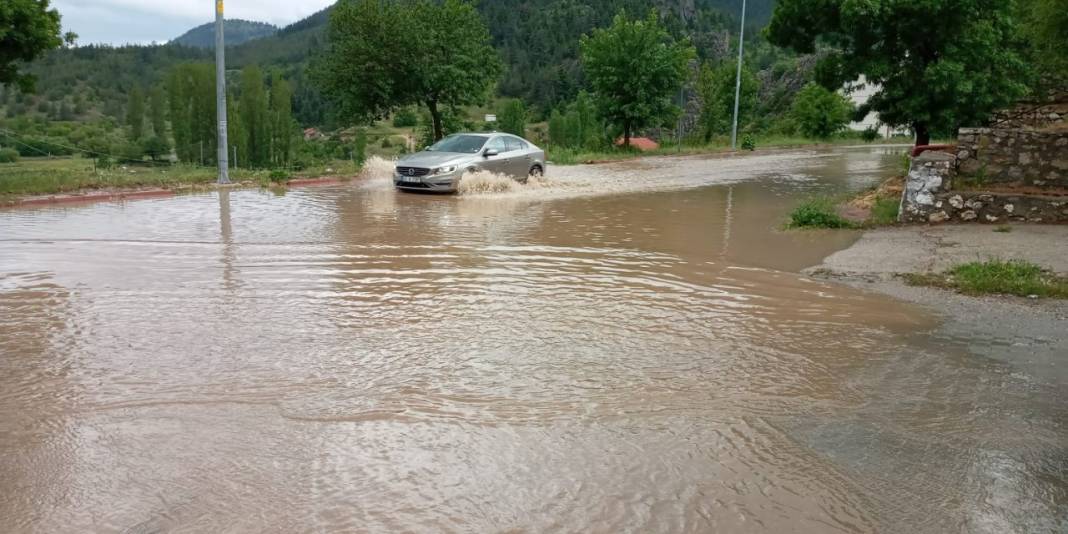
column 13, row 136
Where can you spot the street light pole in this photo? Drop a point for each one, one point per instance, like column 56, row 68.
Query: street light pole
column 738, row 81
column 220, row 92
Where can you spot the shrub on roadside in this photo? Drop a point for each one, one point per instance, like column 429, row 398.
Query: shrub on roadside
column 748, row 143
column 278, row 176
column 405, row 118
column 870, row 135
column 1012, row 277
column 820, row 113
column 817, row 213
column 9, row 155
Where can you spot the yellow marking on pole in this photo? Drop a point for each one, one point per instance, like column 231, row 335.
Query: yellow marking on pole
column 219, row 6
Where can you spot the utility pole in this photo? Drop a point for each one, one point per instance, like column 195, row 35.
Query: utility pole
column 220, row 92
column 738, row 81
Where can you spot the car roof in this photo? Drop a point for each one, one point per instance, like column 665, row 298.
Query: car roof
column 482, row 134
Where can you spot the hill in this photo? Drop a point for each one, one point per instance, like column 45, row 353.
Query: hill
column 237, row 32
column 537, row 39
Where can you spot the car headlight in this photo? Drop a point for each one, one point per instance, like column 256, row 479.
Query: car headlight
column 444, row 170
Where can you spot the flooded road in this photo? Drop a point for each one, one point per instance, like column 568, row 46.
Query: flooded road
column 623, row 348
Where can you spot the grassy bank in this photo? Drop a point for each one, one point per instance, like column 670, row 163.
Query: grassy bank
column 997, row 277
column 45, row 176
column 568, row 156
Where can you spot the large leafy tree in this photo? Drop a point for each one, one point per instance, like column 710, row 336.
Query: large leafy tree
column 384, row 55
column 716, row 88
column 939, row 63
column 28, row 28
column 635, row 68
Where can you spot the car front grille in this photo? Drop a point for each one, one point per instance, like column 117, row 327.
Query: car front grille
column 412, row 171
column 413, row 185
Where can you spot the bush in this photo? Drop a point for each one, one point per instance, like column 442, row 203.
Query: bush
column 748, row 143
column 278, row 176
column 405, row 118
column 817, row 213
column 9, row 155
column 820, row 113
column 870, row 135
column 386, row 143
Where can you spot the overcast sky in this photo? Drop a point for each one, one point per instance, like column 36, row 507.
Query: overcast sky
column 145, row 21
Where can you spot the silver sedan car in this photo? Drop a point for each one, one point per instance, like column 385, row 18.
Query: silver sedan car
column 439, row 167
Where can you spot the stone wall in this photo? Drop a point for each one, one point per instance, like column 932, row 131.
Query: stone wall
column 1013, row 157
column 1034, row 115
column 929, row 198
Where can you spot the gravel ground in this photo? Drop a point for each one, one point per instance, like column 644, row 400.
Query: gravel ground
column 1030, row 334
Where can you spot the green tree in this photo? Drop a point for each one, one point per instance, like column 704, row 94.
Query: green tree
column 372, row 67
column 191, row 88
column 65, row 111
column 716, row 88
column 282, row 126
column 28, row 29
column 155, row 147
column 512, row 117
column 135, row 113
column 255, row 119
column 937, row 64
column 1046, row 27
column 157, row 111
column 635, row 68
column 820, row 113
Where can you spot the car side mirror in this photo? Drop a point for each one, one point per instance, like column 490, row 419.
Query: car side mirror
column 490, row 152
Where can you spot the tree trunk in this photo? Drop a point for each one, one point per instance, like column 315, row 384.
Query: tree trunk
column 923, row 134
column 435, row 115
column 626, row 136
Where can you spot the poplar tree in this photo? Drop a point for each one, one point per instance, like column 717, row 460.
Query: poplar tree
column 157, row 111
column 135, row 113
column 281, row 110
column 255, row 121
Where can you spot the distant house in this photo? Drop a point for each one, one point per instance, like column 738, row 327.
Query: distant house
column 859, row 92
column 311, row 134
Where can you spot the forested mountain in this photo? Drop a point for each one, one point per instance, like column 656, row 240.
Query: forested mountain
column 537, row 40
column 237, row 32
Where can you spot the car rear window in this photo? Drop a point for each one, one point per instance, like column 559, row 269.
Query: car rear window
column 515, row 143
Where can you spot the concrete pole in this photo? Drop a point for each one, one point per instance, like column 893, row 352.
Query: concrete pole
column 738, row 81
column 220, row 93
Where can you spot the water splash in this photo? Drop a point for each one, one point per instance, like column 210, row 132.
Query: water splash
column 377, row 173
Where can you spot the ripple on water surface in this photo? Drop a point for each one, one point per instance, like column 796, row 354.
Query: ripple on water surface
column 539, row 359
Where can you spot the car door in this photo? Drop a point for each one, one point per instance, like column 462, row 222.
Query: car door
column 498, row 163
column 518, row 157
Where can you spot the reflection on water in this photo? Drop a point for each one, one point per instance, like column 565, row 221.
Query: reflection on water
column 623, row 349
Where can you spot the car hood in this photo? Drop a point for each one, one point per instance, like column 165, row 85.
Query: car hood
column 431, row 160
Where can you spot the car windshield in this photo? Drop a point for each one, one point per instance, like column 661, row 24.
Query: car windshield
column 461, row 144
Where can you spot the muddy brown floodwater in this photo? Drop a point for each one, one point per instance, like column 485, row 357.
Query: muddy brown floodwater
column 622, row 348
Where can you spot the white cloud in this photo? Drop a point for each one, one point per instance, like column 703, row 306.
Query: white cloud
column 142, row 21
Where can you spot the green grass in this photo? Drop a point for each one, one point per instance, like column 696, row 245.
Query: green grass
column 997, row 277
column 817, row 213
column 44, row 176
column 884, row 212
column 1003, row 229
